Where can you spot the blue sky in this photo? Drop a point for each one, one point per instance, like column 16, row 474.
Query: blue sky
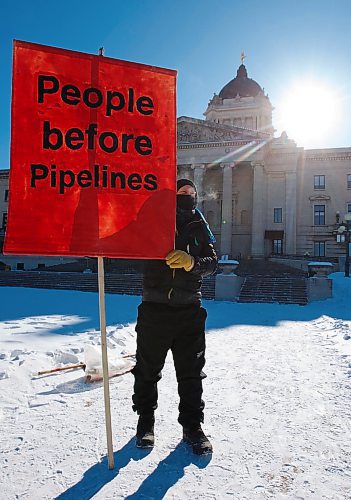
column 285, row 42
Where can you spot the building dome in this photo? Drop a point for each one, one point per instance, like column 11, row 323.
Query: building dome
column 241, row 85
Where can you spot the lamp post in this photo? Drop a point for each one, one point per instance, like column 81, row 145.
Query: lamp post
column 345, row 231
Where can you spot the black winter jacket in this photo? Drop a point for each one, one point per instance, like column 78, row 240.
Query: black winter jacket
column 178, row 287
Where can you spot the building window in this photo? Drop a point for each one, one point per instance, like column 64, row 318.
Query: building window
column 319, row 248
column 348, row 181
column 319, row 182
column 277, row 247
column 319, row 215
column 249, row 122
column 349, row 208
column 6, row 197
column 4, row 220
column 278, row 214
column 244, row 217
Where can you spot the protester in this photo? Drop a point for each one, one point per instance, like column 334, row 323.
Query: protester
column 171, row 317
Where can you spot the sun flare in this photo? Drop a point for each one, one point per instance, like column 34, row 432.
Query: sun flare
column 308, row 112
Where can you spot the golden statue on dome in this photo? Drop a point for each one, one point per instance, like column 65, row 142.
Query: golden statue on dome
column 243, row 56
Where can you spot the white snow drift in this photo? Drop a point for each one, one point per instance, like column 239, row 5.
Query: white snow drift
column 277, row 403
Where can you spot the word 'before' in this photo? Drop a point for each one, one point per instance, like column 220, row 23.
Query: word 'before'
column 109, row 142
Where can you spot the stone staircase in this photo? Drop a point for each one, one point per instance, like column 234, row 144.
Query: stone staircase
column 263, row 282
column 127, row 284
column 270, row 282
column 282, row 290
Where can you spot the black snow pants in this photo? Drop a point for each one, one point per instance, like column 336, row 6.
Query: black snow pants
column 161, row 327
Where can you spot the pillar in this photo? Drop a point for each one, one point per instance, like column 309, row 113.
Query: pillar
column 227, row 209
column 258, row 210
column 290, row 213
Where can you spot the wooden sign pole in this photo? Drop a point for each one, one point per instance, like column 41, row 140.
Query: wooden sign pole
column 101, row 278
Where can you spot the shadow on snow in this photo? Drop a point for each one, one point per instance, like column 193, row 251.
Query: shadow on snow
column 226, row 314
column 155, row 486
column 80, row 310
column 18, row 303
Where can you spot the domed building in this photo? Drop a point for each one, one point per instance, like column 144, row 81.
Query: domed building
column 263, row 196
column 243, row 103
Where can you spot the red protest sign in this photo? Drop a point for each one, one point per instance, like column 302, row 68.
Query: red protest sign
column 93, row 163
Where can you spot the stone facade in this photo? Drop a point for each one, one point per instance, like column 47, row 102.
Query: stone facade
column 266, row 196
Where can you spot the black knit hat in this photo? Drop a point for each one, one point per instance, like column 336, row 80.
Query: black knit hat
column 185, row 182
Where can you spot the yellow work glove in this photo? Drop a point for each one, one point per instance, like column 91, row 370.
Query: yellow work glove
column 179, row 259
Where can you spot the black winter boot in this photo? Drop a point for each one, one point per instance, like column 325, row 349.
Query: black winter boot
column 198, row 441
column 145, row 431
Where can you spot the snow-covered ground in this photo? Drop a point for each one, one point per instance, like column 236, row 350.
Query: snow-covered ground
column 277, row 403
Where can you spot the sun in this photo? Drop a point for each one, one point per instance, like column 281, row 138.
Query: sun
column 309, row 112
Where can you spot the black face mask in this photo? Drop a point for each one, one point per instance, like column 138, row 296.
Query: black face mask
column 186, row 202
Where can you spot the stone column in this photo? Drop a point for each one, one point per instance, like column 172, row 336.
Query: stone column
column 199, row 171
column 290, row 213
column 258, row 210
column 227, row 209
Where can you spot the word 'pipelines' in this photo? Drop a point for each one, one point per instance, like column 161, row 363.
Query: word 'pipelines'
column 99, row 177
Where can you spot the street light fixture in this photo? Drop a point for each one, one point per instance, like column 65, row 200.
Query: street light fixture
column 344, row 232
